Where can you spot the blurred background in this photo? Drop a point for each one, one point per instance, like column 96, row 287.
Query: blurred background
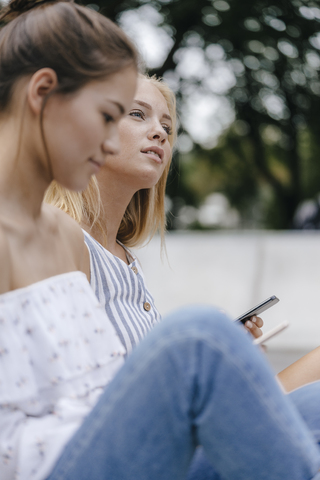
column 246, row 75
column 243, row 195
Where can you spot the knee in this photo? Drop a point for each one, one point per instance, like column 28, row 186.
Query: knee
column 201, row 319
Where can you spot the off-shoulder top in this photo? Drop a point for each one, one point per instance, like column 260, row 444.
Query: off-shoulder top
column 58, row 350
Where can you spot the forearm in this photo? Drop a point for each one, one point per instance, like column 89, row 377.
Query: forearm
column 303, row 371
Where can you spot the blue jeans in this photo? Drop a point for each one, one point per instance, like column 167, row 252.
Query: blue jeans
column 306, row 400
column 195, row 380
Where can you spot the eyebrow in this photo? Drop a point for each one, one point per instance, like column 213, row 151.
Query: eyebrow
column 146, row 105
column 120, row 107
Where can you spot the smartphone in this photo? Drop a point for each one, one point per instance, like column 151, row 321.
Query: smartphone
column 274, row 331
column 258, row 309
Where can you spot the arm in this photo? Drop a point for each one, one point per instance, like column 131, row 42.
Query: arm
column 5, row 277
column 73, row 239
column 303, row 371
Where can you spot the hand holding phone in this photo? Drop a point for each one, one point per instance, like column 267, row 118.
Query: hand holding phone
column 261, row 307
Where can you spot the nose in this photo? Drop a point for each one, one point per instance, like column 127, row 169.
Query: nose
column 111, row 145
column 157, row 133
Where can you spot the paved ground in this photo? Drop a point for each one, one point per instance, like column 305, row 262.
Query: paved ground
column 282, row 359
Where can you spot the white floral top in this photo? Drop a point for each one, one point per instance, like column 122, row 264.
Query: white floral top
column 58, row 350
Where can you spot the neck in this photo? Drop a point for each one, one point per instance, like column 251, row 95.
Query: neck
column 114, row 202
column 23, row 180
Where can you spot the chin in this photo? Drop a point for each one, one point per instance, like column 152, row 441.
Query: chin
column 73, row 186
column 150, row 180
column 145, row 186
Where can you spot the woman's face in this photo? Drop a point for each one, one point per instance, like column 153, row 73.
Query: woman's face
column 81, row 130
column 145, row 148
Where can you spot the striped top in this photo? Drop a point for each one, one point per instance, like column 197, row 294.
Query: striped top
column 122, row 290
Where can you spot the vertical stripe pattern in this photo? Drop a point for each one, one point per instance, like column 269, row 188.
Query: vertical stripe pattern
column 122, row 292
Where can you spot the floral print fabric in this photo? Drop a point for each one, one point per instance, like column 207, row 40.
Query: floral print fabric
column 58, row 350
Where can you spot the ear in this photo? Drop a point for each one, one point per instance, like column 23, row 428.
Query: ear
column 40, row 85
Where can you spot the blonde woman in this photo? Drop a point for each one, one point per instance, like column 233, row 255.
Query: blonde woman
column 124, row 207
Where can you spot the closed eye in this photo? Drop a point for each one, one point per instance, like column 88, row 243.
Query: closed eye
column 108, row 118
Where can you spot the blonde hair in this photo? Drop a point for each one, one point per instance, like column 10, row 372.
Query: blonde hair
column 145, row 214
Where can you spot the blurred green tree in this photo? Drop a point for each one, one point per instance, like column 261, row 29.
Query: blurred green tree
column 270, row 51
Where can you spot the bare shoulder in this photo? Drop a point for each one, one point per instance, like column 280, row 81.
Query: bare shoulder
column 64, row 226
column 64, row 222
column 71, row 234
column 5, row 262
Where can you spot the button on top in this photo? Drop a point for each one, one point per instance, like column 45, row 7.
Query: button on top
column 134, row 269
column 147, row 306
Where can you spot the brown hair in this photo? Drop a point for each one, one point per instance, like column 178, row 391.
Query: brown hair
column 78, row 43
column 145, row 213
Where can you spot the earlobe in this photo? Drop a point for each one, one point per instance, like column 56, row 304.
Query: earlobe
column 42, row 82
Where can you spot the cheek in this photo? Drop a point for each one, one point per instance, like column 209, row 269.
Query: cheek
column 168, row 155
column 127, row 133
column 78, row 123
column 129, row 144
column 85, row 138
column 63, row 129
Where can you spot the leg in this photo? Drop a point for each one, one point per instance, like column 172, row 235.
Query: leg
column 307, row 401
column 201, row 468
column 195, row 379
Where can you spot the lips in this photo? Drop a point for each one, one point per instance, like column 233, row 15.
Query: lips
column 97, row 163
column 157, row 151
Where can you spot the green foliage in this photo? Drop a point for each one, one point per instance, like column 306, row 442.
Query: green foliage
column 273, row 50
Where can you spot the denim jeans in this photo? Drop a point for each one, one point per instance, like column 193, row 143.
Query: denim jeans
column 306, row 400
column 195, row 380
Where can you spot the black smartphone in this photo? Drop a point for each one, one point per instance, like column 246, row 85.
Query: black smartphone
column 258, row 309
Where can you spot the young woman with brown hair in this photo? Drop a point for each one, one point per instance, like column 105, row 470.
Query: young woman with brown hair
column 67, row 76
